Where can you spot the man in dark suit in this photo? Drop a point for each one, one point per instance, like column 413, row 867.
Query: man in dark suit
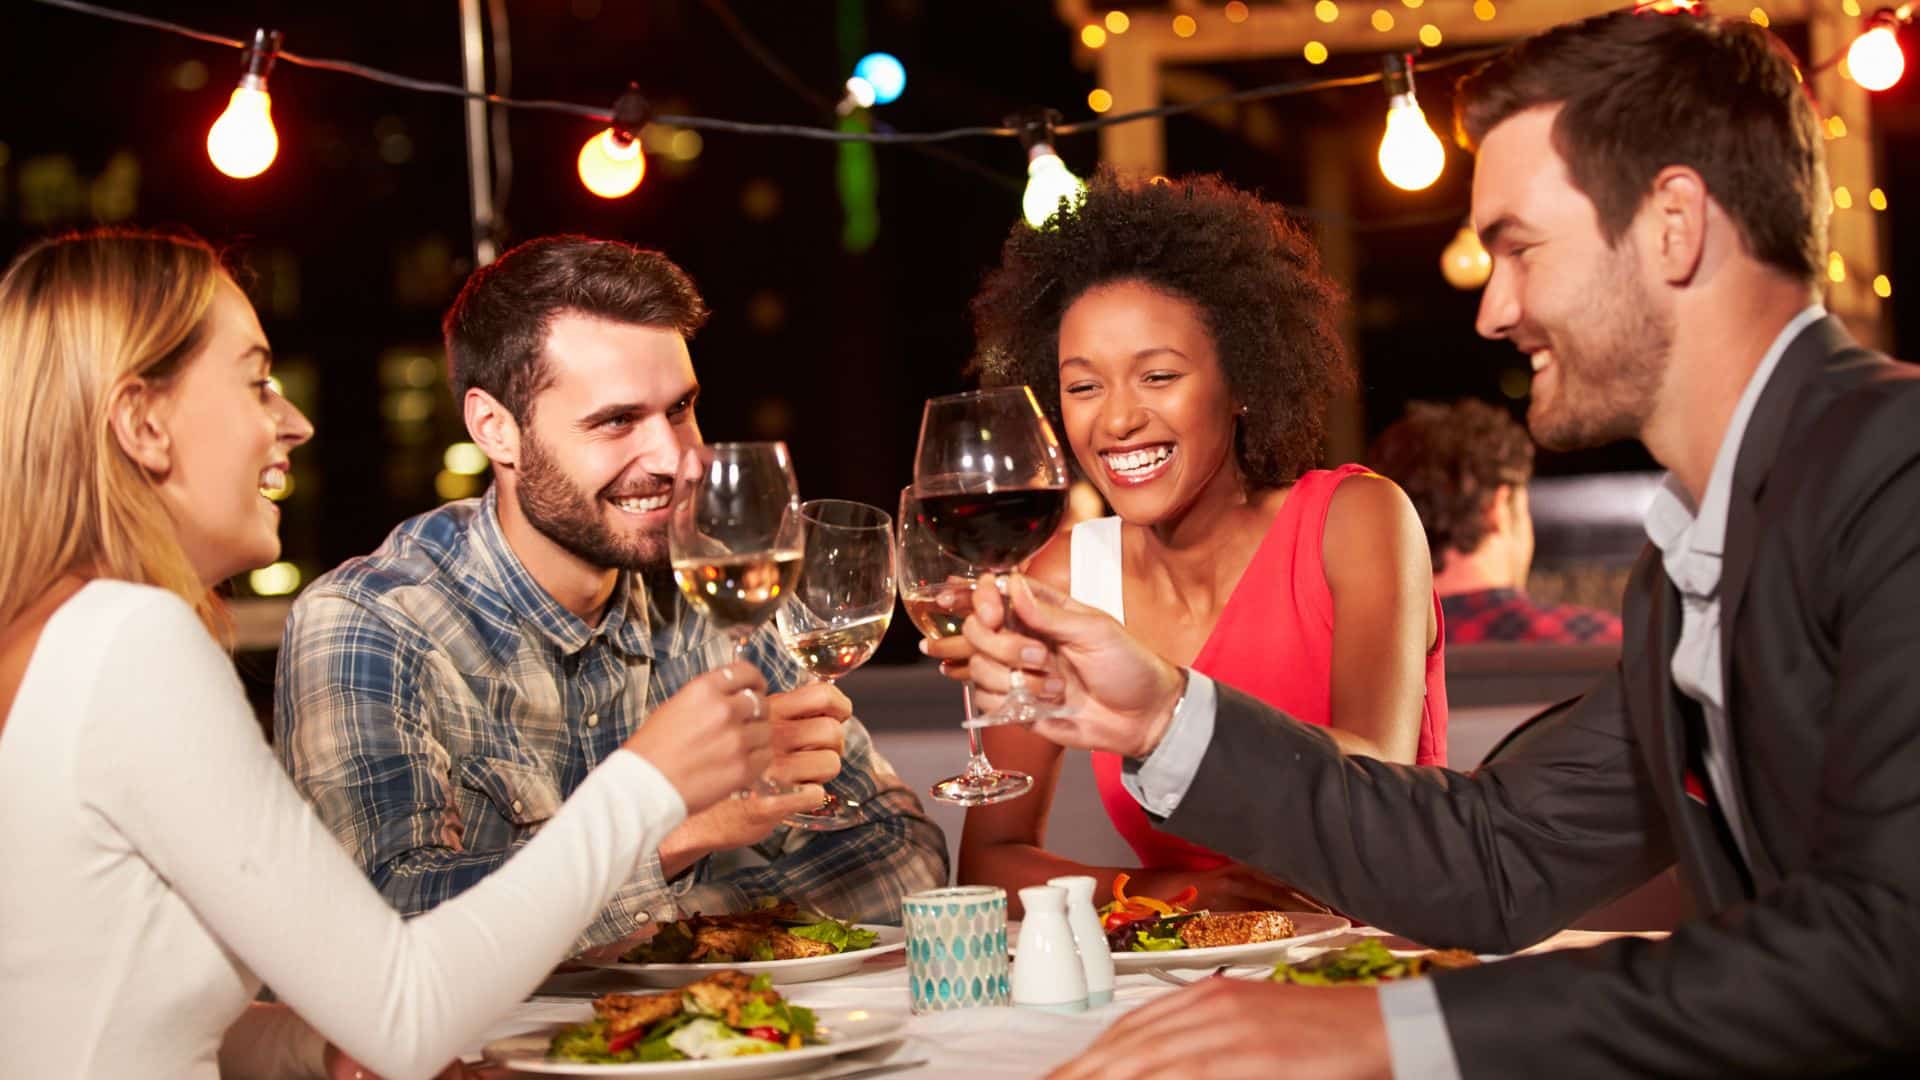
column 1652, row 192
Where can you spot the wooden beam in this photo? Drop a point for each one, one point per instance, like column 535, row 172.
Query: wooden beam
column 1854, row 233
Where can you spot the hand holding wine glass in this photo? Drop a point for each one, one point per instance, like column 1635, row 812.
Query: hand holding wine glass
column 735, row 537
column 937, row 590
column 840, row 607
column 991, row 486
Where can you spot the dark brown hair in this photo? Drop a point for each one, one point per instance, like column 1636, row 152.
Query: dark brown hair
column 1640, row 92
column 1252, row 273
column 496, row 331
column 1449, row 459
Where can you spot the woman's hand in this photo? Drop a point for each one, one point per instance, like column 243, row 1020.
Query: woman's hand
column 712, row 738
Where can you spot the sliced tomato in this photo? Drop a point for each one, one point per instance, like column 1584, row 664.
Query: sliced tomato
column 1184, row 897
column 767, row 1033
column 617, row 1043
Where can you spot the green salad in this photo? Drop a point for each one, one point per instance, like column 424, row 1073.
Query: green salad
column 772, row 931
column 1366, row 963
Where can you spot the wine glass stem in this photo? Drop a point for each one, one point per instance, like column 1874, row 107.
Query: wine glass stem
column 977, row 763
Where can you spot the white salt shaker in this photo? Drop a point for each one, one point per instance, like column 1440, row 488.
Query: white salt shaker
column 1046, row 965
column 1095, row 959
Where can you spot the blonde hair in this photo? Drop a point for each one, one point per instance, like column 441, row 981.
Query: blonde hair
column 81, row 316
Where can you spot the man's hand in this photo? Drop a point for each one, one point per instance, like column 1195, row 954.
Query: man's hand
column 1226, row 1029
column 1119, row 694
column 807, row 738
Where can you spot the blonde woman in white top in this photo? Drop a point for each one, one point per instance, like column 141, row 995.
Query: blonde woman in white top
column 155, row 864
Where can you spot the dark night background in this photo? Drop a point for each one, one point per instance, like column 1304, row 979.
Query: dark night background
column 359, row 234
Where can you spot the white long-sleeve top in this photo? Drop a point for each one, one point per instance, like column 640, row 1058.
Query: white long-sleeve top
column 156, row 865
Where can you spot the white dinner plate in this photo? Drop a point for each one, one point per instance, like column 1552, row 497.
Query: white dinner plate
column 1308, row 926
column 845, row 1030
column 804, row 969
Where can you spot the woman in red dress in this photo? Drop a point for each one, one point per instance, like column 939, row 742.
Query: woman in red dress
column 1182, row 336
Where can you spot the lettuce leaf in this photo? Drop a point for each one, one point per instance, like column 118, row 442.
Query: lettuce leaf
column 844, row 937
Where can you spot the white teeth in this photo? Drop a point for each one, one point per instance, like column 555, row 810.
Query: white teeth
column 1134, row 462
column 273, row 481
column 643, row 506
column 1541, row 359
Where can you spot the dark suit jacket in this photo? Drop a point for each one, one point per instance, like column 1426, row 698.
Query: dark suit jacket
column 1808, row 963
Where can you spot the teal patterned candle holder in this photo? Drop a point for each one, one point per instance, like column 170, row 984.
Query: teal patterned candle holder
column 957, row 948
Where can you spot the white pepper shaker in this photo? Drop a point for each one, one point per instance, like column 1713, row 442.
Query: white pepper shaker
column 1047, row 973
column 1095, row 959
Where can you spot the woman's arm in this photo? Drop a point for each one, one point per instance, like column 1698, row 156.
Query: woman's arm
column 1377, row 567
column 174, row 762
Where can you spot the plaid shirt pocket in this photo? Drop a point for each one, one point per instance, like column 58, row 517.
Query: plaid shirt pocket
column 522, row 795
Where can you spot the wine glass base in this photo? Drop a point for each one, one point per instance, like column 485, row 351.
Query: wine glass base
column 1011, row 712
column 979, row 789
column 828, row 816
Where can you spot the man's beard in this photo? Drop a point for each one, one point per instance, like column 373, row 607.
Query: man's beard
column 572, row 519
column 1609, row 368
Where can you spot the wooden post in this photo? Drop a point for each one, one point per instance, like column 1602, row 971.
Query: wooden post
column 1854, row 234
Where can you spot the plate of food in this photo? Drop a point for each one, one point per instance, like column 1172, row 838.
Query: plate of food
column 1144, row 932
column 780, row 940
column 726, row 1024
column 1368, row 963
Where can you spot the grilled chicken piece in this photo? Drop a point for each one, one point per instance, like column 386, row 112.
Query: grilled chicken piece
column 1236, row 928
column 1450, row 958
column 728, row 941
column 793, row 947
column 624, row 1012
column 723, row 993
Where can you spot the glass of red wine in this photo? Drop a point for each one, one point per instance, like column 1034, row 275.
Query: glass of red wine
column 992, row 485
column 937, row 590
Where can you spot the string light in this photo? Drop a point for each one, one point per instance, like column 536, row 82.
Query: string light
column 1093, row 36
column 1236, row 11
column 1411, row 156
column 1048, row 181
column 1315, row 52
column 242, row 143
column 1874, row 60
column 1877, row 199
column 277, row 579
column 1099, row 100
column 1882, row 287
column 878, row 79
column 1843, row 198
column 612, row 163
column 1382, row 20
column 1483, row 10
column 1117, row 22
column 1430, row 36
column 1326, row 11
column 1759, row 18
column 1464, row 262
column 1836, row 268
column 1185, row 26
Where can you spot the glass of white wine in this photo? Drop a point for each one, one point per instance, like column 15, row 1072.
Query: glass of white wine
column 840, row 607
column 736, row 539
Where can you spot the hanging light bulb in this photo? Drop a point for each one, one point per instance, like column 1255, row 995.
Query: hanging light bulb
column 1048, row 180
column 1874, row 59
column 1411, row 156
column 242, row 143
column 878, row 79
column 612, row 163
column 1463, row 262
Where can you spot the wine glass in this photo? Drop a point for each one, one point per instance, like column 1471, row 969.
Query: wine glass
column 735, row 539
column 840, row 607
column 991, row 485
column 937, row 590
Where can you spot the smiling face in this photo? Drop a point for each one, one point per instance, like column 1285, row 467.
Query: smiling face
column 1598, row 334
column 1146, row 404
column 228, row 434
column 599, row 452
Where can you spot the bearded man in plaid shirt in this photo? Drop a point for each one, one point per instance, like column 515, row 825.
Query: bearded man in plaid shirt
column 439, row 698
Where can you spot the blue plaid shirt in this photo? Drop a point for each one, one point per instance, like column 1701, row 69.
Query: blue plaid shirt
column 436, row 705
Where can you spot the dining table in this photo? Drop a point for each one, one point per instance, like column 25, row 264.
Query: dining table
column 961, row 1044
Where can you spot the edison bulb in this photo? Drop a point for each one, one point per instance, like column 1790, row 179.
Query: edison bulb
column 1048, row 182
column 1875, row 60
column 242, row 143
column 1410, row 153
column 885, row 73
column 1464, row 263
column 612, row 166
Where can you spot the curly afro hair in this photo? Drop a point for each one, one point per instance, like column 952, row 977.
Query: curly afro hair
column 1253, row 274
column 1450, row 459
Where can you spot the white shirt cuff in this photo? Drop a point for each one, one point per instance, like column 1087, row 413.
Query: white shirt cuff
column 1161, row 781
column 1417, row 1041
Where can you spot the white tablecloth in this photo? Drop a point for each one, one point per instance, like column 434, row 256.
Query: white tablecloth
column 965, row 1044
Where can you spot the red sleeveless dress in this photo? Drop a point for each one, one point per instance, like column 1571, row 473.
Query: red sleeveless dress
column 1274, row 641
